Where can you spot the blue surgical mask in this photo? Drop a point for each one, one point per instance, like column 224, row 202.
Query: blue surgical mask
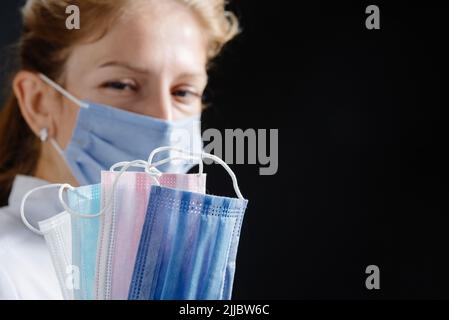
column 189, row 245
column 105, row 135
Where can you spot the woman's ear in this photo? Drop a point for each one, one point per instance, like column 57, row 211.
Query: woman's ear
column 36, row 100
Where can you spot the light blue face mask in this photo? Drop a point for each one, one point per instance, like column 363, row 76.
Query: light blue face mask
column 106, row 135
column 188, row 246
column 86, row 201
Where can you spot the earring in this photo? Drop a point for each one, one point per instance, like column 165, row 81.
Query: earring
column 43, row 135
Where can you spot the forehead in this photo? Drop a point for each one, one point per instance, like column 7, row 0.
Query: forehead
column 159, row 35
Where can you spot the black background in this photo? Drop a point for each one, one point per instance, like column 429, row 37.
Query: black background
column 362, row 146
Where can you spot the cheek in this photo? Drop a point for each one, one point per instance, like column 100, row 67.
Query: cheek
column 66, row 124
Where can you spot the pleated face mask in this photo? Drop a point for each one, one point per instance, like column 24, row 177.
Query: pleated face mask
column 121, row 224
column 188, row 245
column 86, row 201
column 57, row 234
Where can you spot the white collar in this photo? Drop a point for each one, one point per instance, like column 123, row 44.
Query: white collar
column 40, row 205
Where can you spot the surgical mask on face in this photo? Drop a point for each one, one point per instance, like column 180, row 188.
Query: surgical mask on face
column 105, row 135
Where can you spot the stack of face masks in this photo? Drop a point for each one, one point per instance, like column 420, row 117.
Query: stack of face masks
column 145, row 235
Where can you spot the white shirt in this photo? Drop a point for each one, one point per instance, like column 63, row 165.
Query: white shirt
column 26, row 269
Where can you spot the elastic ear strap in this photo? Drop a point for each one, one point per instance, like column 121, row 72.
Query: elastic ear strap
column 194, row 156
column 141, row 164
column 191, row 157
column 22, row 207
column 109, row 200
column 152, row 169
column 228, row 169
column 57, row 148
column 202, row 156
column 62, row 91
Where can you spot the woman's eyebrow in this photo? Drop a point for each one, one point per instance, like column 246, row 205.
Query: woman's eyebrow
column 123, row 65
column 196, row 74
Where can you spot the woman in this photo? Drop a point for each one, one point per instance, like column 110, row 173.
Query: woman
column 85, row 99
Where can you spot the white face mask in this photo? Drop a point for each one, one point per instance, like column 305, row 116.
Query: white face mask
column 105, row 135
column 58, row 237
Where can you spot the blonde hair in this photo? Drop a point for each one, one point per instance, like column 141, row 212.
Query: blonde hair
column 44, row 46
column 222, row 25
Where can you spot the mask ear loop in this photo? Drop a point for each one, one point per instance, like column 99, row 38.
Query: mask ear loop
column 111, row 197
column 62, row 91
column 190, row 156
column 153, row 166
column 139, row 164
column 228, row 169
column 202, row 155
column 152, row 169
column 22, row 207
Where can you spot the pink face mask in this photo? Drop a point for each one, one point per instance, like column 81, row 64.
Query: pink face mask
column 122, row 223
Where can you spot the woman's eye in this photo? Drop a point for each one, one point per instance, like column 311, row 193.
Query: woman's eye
column 181, row 93
column 187, row 96
column 120, row 85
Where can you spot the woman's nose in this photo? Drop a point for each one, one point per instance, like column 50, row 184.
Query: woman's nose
column 161, row 106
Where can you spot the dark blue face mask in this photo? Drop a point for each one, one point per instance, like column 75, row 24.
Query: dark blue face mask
column 189, row 245
column 106, row 135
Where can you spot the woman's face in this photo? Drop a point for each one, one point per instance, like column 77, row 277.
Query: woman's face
column 151, row 62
